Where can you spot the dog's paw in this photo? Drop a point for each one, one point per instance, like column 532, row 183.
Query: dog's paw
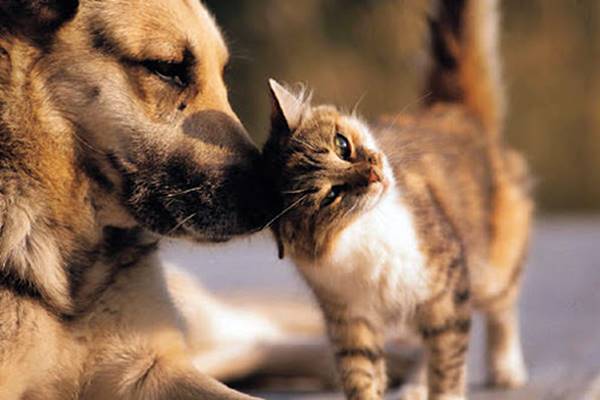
column 411, row 391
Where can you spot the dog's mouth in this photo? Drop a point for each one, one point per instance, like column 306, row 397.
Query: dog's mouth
column 204, row 203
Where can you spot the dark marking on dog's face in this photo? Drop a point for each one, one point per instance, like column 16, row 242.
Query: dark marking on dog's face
column 142, row 84
column 36, row 20
column 159, row 187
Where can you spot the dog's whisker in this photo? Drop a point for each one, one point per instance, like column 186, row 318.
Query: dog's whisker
column 86, row 144
column 181, row 223
column 181, row 193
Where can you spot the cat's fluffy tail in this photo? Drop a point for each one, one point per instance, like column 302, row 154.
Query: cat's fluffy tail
column 466, row 65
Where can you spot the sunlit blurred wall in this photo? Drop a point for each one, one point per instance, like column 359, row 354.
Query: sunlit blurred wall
column 374, row 51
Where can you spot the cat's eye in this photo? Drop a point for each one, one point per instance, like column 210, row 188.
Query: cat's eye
column 332, row 195
column 342, row 147
column 171, row 72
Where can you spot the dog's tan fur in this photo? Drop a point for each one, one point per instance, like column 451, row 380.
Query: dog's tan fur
column 100, row 154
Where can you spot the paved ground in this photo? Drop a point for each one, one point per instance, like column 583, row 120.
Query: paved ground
column 560, row 305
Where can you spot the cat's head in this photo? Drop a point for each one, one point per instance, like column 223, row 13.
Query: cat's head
column 326, row 169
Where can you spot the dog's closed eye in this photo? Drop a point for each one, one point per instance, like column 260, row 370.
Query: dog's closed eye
column 176, row 73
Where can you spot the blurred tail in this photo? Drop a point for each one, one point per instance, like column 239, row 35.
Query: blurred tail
column 466, row 65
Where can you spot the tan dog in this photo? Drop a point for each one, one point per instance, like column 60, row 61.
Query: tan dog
column 114, row 128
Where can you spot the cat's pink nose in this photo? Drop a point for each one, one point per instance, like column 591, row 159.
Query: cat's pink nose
column 374, row 176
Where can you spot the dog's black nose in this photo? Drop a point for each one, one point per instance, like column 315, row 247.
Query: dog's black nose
column 253, row 195
column 215, row 128
column 235, row 198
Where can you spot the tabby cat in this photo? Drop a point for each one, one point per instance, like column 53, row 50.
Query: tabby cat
column 416, row 219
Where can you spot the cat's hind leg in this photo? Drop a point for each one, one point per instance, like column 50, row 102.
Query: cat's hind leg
column 498, row 299
column 505, row 361
column 496, row 288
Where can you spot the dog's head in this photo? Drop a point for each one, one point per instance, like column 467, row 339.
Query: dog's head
column 141, row 84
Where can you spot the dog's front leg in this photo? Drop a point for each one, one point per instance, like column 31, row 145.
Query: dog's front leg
column 146, row 373
column 137, row 346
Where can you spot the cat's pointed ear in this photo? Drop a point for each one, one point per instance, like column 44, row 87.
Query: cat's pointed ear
column 287, row 109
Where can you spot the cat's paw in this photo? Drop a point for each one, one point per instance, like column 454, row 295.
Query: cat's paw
column 412, row 391
column 508, row 378
column 510, row 374
column 364, row 393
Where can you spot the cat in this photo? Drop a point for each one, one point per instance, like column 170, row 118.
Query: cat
column 417, row 219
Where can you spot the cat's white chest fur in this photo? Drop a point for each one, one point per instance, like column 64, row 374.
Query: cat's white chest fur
column 376, row 265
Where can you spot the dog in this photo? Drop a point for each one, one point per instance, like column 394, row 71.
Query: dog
column 115, row 130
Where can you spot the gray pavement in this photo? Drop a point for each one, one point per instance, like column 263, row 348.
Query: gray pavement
column 560, row 304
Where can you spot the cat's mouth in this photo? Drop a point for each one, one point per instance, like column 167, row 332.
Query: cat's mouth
column 376, row 193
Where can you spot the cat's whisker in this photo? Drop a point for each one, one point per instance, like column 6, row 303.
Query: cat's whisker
column 299, row 191
column 303, row 143
column 352, row 208
column 281, row 214
column 419, row 100
column 357, row 104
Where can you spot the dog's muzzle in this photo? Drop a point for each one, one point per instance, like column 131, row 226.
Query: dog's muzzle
column 213, row 200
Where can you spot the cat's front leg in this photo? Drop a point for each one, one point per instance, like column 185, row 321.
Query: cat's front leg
column 445, row 323
column 358, row 344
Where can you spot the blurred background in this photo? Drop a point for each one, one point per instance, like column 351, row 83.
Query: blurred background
column 374, row 52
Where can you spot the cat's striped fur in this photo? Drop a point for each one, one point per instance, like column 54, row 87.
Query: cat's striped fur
column 424, row 219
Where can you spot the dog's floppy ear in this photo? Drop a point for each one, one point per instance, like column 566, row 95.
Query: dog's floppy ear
column 37, row 19
column 287, row 109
